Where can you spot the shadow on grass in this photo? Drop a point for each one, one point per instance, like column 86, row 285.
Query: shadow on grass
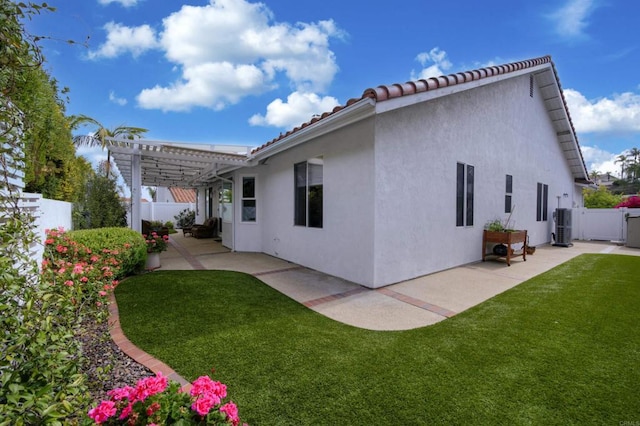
column 562, row 347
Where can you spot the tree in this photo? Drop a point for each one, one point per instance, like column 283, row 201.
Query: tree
column 601, row 198
column 99, row 137
column 594, row 175
column 622, row 159
column 39, row 351
column 51, row 166
column 153, row 192
column 101, row 206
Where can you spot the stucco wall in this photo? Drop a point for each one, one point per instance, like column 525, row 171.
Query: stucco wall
column 344, row 246
column 500, row 130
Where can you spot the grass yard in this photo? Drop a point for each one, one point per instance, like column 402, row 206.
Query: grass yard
column 561, row 348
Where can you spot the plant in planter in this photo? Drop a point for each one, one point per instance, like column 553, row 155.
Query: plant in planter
column 156, row 243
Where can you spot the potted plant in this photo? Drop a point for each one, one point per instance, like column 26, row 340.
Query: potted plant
column 156, row 244
column 502, row 237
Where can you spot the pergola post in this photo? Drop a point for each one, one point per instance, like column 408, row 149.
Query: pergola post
column 136, row 190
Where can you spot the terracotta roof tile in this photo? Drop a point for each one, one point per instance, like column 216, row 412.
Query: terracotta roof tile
column 183, row 195
column 386, row 92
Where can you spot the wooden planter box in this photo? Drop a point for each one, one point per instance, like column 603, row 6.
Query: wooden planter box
column 506, row 238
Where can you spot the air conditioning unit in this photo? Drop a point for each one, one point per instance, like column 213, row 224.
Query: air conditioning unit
column 563, row 228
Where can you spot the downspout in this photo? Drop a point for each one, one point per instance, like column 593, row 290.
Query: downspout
column 233, row 209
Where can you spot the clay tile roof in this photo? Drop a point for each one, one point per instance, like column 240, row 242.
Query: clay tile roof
column 386, row 92
column 183, row 195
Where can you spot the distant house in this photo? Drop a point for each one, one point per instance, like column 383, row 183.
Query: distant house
column 351, row 193
column 175, row 195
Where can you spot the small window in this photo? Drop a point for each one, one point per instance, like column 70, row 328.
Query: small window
column 464, row 194
column 248, row 199
column 308, row 196
column 508, row 202
column 542, row 202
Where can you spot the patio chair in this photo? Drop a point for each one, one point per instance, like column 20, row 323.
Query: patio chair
column 209, row 229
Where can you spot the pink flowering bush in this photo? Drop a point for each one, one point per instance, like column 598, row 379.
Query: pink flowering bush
column 155, row 401
column 83, row 277
column 632, row 202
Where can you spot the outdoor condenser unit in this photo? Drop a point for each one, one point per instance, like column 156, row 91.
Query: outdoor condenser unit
column 563, row 228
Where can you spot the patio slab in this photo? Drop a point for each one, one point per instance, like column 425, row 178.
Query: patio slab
column 306, row 285
column 410, row 304
column 375, row 311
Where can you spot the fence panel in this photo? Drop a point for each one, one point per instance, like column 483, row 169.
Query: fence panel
column 47, row 214
column 601, row 224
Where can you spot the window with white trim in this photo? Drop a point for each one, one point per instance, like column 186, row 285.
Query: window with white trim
column 249, row 199
column 464, row 194
column 308, row 204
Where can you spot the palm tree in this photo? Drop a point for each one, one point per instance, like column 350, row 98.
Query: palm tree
column 635, row 153
column 99, row 136
column 622, row 159
column 594, row 175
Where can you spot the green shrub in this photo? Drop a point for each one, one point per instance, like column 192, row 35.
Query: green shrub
column 127, row 245
column 185, row 219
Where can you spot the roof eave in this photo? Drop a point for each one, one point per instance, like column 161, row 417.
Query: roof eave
column 358, row 111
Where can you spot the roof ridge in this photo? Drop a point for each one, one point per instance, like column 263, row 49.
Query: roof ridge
column 386, row 92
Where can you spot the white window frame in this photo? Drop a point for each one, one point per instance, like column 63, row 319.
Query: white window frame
column 243, row 198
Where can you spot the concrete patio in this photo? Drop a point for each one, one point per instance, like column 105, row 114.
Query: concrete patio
column 410, row 304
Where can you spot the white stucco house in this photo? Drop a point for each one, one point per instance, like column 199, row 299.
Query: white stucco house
column 401, row 181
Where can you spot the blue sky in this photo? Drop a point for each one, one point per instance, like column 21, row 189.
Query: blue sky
column 241, row 72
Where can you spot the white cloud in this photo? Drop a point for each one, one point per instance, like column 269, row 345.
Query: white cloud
column 122, row 39
column 439, row 67
column 116, row 100
column 212, row 85
column 571, row 20
column 230, row 49
column 619, row 113
column 599, row 160
column 125, row 3
column 299, row 108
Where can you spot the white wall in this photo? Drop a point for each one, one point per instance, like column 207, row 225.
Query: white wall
column 500, row 130
column 344, row 246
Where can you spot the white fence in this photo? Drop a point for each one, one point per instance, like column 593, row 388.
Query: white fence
column 161, row 211
column 601, row 224
column 48, row 214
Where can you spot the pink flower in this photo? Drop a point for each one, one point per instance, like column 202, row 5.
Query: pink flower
column 102, row 412
column 153, row 408
column 150, row 386
column 231, row 411
column 127, row 410
column 68, row 283
column 102, row 293
column 84, row 279
column 121, row 393
column 204, row 403
column 77, row 269
column 204, row 385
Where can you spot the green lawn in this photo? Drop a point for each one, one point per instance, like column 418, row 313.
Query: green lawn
column 562, row 348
